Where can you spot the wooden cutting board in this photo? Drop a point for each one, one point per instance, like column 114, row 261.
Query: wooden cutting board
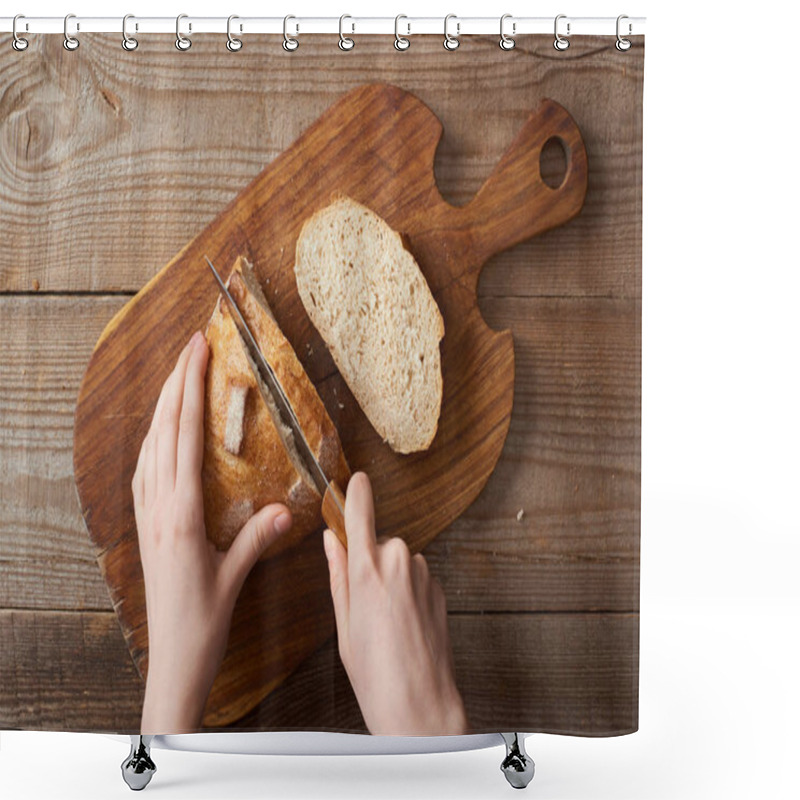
column 376, row 144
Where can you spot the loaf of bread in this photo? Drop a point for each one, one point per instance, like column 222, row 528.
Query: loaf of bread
column 250, row 457
column 368, row 298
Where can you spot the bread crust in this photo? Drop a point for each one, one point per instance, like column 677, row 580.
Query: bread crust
column 235, row 486
column 368, row 298
column 319, row 430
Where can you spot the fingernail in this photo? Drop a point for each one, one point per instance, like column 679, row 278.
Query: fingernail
column 282, row 524
column 326, row 542
column 195, row 340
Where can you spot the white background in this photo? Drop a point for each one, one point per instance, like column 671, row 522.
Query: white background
column 720, row 605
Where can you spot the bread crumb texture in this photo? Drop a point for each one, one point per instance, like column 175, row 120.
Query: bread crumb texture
column 250, row 456
column 369, row 300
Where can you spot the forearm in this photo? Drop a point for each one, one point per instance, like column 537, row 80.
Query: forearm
column 455, row 717
column 171, row 709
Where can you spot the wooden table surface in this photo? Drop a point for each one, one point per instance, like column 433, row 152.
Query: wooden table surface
column 111, row 161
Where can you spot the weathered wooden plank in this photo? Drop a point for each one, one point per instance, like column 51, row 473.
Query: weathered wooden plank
column 46, row 558
column 377, row 144
column 571, row 462
column 577, row 673
column 66, row 671
column 156, row 155
column 154, row 159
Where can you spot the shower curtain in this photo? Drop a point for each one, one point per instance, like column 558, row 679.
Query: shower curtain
column 513, row 178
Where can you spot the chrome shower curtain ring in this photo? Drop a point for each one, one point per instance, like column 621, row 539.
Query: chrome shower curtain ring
column 345, row 42
column 17, row 42
column 560, row 42
column 623, row 44
column 400, row 42
column 128, row 42
column 290, row 43
column 506, row 41
column 234, row 45
column 451, row 42
column 70, row 42
column 181, row 42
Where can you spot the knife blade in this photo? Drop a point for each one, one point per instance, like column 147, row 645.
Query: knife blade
column 332, row 497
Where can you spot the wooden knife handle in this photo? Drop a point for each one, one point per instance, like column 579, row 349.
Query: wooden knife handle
column 334, row 518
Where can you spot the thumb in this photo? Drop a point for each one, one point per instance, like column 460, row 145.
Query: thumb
column 261, row 530
column 340, row 588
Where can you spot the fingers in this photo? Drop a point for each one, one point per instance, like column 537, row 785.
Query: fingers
column 263, row 528
column 190, row 435
column 161, row 439
column 340, row 588
column 137, row 483
column 166, row 425
column 420, row 578
column 166, row 388
column 150, row 465
column 359, row 521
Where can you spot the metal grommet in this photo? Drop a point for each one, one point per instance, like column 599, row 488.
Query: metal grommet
column 234, row 45
column 400, row 42
column 506, row 42
column 70, row 42
column 345, row 42
column 181, row 42
column 17, row 42
column 560, row 42
column 623, row 44
column 290, row 43
column 451, row 42
column 128, row 42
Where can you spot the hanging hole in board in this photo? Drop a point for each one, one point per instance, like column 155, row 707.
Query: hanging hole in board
column 553, row 162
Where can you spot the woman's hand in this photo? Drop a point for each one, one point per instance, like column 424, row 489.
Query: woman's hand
column 391, row 620
column 190, row 586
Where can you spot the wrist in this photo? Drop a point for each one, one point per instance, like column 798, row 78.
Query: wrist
column 171, row 708
column 170, row 714
column 454, row 717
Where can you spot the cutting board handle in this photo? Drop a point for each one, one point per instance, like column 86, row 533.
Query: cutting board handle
column 515, row 203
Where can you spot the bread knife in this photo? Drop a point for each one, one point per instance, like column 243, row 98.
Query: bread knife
column 331, row 494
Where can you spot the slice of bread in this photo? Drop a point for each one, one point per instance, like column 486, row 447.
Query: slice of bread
column 250, row 457
column 368, row 298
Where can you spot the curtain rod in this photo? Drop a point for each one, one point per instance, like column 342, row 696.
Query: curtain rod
column 298, row 26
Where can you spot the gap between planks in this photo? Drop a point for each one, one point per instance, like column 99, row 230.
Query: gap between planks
column 481, row 296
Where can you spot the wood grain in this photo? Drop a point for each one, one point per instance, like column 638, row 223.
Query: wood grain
column 67, row 668
column 572, row 670
column 142, row 146
column 66, row 671
column 571, row 462
column 376, row 145
column 157, row 155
